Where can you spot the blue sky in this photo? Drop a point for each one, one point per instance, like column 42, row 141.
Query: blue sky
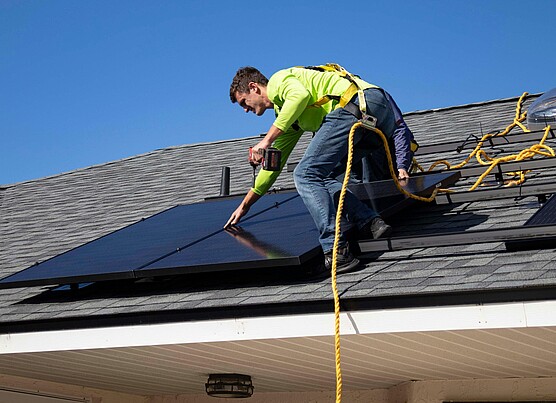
column 87, row 82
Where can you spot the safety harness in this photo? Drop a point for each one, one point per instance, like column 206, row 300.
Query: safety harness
column 344, row 101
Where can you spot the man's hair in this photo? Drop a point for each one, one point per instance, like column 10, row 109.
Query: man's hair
column 243, row 77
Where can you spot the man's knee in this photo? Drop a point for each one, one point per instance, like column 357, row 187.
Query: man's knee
column 305, row 173
column 297, row 175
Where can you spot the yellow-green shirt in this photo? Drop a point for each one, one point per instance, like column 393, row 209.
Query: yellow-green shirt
column 293, row 91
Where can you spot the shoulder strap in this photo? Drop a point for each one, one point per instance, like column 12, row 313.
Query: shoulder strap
column 348, row 94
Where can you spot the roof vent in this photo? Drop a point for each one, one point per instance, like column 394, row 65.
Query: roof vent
column 542, row 112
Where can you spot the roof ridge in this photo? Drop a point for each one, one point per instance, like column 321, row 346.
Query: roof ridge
column 446, row 108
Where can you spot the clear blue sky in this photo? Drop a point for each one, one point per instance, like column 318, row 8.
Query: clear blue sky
column 87, row 82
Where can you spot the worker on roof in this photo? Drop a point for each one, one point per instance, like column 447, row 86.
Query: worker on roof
column 295, row 95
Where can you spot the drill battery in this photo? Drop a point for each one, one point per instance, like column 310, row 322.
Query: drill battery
column 272, row 158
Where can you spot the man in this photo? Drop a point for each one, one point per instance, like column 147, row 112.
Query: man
column 293, row 94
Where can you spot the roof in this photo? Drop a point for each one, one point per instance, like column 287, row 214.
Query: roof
column 44, row 217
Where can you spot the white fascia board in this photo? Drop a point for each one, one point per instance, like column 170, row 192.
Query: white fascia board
column 464, row 317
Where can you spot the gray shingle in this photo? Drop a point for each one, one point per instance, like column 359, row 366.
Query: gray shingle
column 516, row 275
column 220, row 303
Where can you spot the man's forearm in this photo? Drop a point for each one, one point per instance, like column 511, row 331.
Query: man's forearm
column 402, row 144
column 272, row 134
column 250, row 199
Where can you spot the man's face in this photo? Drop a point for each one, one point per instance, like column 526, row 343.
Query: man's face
column 252, row 101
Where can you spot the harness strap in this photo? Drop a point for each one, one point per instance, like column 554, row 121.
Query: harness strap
column 353, row 109
column 348, row 94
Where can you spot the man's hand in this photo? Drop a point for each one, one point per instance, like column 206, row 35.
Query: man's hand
column 258, row 151
column 239, row 212
column 402, row 174
column 255, row 156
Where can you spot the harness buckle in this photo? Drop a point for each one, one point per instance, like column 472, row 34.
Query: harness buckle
column 368, row 121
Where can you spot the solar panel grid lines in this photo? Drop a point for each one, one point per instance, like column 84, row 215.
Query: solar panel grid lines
column 279, row 236
column 87, row 257
column 202, row 238
column 123, row 253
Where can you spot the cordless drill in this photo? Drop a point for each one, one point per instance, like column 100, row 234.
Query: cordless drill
column 272, row 159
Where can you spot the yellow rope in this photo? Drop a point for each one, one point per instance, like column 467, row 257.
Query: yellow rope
column 415, row 167
column 334, row 264
column 540, row 149
column 536, row 149
column 483, row 159
column 394, row 175
column 519, row 117
column 337, row 232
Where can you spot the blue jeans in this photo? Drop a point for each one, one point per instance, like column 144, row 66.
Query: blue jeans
column 325, row 159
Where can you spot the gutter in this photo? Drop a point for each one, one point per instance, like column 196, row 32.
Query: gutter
column 319, row 305
column 446, row 318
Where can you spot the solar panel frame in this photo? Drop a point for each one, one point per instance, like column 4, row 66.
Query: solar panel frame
column 544, row 216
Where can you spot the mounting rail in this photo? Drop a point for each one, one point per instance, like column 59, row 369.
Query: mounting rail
column 537, row 232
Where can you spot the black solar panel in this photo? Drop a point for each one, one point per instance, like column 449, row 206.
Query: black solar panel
column 419, row 185
column 385, row 197
column 285, row 235
column 546, row 215
column 197, row 226
column 278, row 231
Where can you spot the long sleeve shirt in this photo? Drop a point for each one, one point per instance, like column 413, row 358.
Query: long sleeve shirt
column 294, row 92
column 402, row 137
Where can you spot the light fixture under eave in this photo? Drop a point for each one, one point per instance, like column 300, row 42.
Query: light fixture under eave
column 229, row 385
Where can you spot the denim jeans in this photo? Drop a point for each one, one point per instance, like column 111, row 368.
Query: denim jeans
column 325, row 159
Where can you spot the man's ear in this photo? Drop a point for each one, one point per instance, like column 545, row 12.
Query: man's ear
column 254, row 87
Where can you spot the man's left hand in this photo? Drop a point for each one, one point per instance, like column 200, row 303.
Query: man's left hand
column 258, row 151
column 402, row 174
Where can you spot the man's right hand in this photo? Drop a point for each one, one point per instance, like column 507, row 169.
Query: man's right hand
column 256, row 156
column 243, row 208
column 239, row 212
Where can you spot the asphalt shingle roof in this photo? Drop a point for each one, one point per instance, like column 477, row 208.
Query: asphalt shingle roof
column 45, row 217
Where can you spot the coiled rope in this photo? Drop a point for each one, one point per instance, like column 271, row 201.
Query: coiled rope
column 483, row 159
column 481, row 156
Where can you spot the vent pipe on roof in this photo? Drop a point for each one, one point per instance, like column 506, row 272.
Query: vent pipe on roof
column 542, row 112
column 225, row 182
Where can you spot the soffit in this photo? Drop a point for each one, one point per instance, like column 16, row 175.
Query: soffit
column 301, row 364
